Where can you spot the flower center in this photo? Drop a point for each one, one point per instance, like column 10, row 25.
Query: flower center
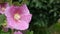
column 3, row 9
column 17, row 16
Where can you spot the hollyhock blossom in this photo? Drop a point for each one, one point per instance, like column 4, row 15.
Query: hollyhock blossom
column 18, row 17
column 3, row 6
column 17, row 32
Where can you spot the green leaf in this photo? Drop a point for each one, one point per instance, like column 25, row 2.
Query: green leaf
column 31, row 32
column 51, row 1
column 4, row 32
column 28, row 32
column 2, row 19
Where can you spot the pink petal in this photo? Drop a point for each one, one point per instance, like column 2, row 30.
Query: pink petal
column 5, row 5
column 19, row 25
column 26, row 18
column 16, row 9
column 23, row 9
column 7, row 12
column 17, row 32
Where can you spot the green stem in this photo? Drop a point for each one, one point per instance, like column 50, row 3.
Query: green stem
column 12, row 31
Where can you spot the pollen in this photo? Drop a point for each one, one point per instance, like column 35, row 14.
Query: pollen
column 17, row 16
column 3, row 9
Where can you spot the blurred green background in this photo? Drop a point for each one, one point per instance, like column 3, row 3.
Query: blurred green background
column 46, row 15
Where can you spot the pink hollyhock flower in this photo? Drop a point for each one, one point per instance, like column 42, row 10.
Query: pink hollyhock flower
column 18, row 17
column 17, row 32
column 3, row 6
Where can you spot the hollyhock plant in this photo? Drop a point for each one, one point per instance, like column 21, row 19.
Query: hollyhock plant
column 3, row 6
column 18, row 32
column 18, row 17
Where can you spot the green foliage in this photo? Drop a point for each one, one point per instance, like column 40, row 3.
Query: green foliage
column 45, row 14
column 4, row 33
column 2, row 19
column 29, row 32
column 55, row 29
column 16, row 3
